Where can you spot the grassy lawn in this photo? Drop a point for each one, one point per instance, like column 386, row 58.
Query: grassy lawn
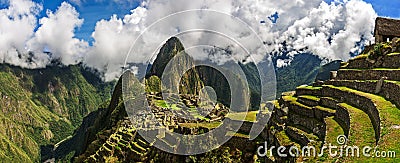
column 247, row 116
column 163, row 104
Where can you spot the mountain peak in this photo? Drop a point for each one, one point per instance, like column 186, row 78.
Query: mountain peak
column 176, row 43
column 169, row 50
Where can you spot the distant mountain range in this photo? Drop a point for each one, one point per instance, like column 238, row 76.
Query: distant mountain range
column 44, row 106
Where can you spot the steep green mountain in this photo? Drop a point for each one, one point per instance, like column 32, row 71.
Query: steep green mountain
column 44, row 106
column 171, row 66
column 302, row 70
column 325, row 71
column 107, row 135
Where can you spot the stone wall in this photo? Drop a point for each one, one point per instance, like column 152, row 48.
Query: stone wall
column 305, row 91
column 310, row 124
column 361, row 102
column 298, row 137
column 368, row 74
column 342, row 116
column 391, row 91
column 388, row 61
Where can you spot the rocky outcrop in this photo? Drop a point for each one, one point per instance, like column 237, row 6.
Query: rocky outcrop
column 176, row 69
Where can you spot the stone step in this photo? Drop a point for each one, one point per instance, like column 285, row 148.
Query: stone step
column 135, row 146
column 142, row 143
column 308, row 100
column 329, row 102
column 297, row 107
column 307, row 106
column 380, row 111
column 323, row 112
column 388, row 61
column 368, row 74
column 282, row 139
column 308, row 90
column 300, row 136
column 389, row 88
column 305, row 123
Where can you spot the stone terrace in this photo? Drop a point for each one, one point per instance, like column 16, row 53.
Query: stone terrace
column 360, row 101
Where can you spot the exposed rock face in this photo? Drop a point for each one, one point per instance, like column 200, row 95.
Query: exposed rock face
column 176, row 69
column 359, row 103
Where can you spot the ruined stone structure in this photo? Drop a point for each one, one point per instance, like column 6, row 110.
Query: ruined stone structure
column 361, row 102
column 386, row 29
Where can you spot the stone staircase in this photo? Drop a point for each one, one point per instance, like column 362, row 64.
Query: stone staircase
column 124, row 143
column 360, row 101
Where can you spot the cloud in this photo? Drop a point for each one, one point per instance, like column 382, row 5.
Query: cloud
column 113, row 39
column 56, row 34
column 77, row 2
column 18, row 22
column 328, row 30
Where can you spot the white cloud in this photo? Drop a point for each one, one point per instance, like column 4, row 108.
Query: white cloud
column 56, row 33
column 327, row 30
column 77, row 2
column 18, row 22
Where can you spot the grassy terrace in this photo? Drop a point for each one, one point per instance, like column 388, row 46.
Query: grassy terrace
column 333, row 130
column 364, row 56
column 389, row 115
column 361, row 130
column 361, row 134
column 211, row 125
column 283, row 139
column 309, row 97
column 163, row 104
column 301, row 132
column 235, row 134
column 246, row 116
column 325, row 109
column 293, row 101
column 309, row 87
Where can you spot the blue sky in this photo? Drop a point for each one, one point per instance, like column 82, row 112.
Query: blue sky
column 91, row 11
column 386, row 8
column 94, row 10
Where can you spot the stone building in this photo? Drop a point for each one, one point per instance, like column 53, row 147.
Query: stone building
column 386, row 29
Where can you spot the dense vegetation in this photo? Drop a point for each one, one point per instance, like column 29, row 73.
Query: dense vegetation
column 44, row 106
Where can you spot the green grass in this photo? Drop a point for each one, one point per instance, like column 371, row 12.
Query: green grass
column 389, row 115
column 283, row 139
column 333, row 130
column 325, row 109
column 240, row 135
column 293, row 101
column 210, row 125
column 246, row 116
column 309, row 87
column 309, row 97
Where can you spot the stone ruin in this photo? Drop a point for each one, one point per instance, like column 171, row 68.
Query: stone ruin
column 360, row 101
